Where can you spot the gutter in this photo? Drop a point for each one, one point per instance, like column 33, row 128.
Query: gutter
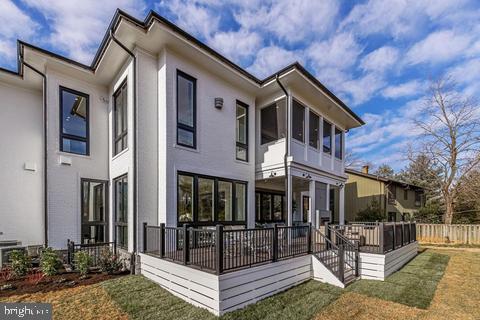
column 287, row 147
column 135, row 176
column 45, row 176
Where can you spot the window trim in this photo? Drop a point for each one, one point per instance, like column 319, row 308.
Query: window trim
column 329, row 152
column 182, row 126
column 309, row 128
column 303, row 121
column 237, row 143
column 341, row 142
column 87, row 118
column 106, row 223
column 215, row 221
column 115, row 212
column 274, row 104
column 272, row 195
column 124, row 133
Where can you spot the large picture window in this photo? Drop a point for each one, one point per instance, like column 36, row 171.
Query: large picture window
column 338, row 144
column 120, row 119
column 74, row 137
column 186, row 110
column 94, row 211
column 272, row 122
column 206, row 200
column 314, row 134
column 242, row 131
column 121, row 211
column 298, row 121
column 327, row 137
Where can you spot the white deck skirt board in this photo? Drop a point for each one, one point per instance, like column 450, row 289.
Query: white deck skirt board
column 323, row 274
column 378, row 266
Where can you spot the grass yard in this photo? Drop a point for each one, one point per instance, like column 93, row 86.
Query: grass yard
column 437, row 284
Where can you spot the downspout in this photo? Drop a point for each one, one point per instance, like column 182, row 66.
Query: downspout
column 135, row 178
column 45, row 176
column 287, row 153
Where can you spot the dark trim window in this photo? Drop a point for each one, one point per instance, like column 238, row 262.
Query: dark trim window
column 241, row 135
column 74, row 122
column 327, row 137
column 121, row 211
column 94, row 211
column 186, row 110
column 120, row 119
column 270, row 207
column 298, row 121
column 272, row 122
column 206, row 200
column 314, row 134
column 305, row 208
column 338, row 144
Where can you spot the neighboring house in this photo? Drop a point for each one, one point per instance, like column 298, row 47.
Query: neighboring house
column 162, row 130
column 398, row 200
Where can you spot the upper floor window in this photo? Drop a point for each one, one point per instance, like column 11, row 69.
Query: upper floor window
column 242, row 131
column 186, row 110
column 272, row 122
column 74, row 121
column 327, row 137
column 120, row 119
column 338, row 144
column 314, row 122
column 298, row 121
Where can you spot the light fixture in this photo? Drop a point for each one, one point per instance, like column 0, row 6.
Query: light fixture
column 219, row 103
column 273, row 174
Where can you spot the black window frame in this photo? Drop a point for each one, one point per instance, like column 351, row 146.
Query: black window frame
column 195, row 222
column 340, row 150
column 268, row 139
column 106, row 221
column 182, row 126
column 260, row 216
column 295, row 104
column 237, row 143
column 87, row 119
column 124, row 134
column 310, row 118
column 324, row 148
column 117, row 223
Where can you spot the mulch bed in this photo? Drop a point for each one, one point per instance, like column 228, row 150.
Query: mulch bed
column 52, row 283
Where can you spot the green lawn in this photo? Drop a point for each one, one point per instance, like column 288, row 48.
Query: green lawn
column 414, row 285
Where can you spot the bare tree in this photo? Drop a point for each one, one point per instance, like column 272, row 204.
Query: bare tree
column 353, row 161
column 450, row 129
column 384, row 170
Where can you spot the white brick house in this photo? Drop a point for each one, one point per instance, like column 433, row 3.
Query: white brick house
column 160, row 129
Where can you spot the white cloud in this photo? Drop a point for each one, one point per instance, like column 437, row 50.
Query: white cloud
column 7, row 49
column 380, row 59
column 77, row 28
column 271, row 59
column 363, row 88
column 406, row 89
column 466, row 72
column 439, row 46
column 290, row 21
column 236, row 45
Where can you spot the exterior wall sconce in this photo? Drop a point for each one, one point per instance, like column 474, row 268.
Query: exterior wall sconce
column 272, row 174
column 307, row 176
column 219, row 103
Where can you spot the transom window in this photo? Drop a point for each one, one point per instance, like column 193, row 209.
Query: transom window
column 120, row 119
column 314, row 134
column 206, row 200
column 121, row 211
column 94, row 211
column 242, row 131
column 298, row 121
column 327, row 137
column 338, row 144
column 74, row 122
column 186, row 110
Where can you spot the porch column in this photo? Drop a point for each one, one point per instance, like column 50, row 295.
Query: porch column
column 289, row 199
column 327, row 200
column 341, row 205
column 312, row 193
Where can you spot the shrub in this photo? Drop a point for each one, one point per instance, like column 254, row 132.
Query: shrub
column 33, row 278
column 49, row 262
column 6, row 274
column 431, row 213
column 82, row 262
column 20, row 262
column 371, row 213
column 109, row 262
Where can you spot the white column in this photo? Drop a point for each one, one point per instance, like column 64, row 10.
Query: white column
column 289, row 199
column 311, row 216
column 341, row 205
column 327, row 199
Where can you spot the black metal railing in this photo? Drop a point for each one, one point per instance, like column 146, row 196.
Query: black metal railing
column 293, row 241
column 93, row 249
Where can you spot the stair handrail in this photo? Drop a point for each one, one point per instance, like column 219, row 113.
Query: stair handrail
column 350, row 248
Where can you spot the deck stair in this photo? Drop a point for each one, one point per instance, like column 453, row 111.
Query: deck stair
column 337, row 256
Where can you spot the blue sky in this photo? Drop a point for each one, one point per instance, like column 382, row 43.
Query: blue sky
column 378, row 56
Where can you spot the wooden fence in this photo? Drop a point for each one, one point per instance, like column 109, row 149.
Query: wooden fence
column 453, row 233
